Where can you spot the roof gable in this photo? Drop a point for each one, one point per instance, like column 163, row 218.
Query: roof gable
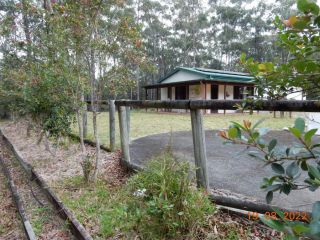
column 181, row 76
column 188, row 74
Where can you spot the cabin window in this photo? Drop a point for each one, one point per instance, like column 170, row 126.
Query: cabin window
column 181, row 92
column 237, row 92
column 169, row 93
column 240, row 92
column 250, row 91
column 214, row 91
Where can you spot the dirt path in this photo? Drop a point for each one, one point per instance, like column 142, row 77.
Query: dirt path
column 44, row 219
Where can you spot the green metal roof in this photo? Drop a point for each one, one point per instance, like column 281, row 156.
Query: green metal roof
column 214, row 75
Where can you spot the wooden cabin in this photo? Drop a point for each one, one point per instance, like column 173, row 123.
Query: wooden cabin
column 201, row 84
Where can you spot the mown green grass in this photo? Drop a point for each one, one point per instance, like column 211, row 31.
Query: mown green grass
column 147, row 123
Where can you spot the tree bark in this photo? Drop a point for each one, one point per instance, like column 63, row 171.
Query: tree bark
column 85, row 123
column 47, row 143
column 94, row 113
column 82, row 146
column 26, row 28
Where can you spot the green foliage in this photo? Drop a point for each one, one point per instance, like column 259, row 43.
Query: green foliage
column 165, row 201
column 287, row 164
column 48, row 101
column 57, row 60
column 299, row 37
column 300, row 156
column 160, row 202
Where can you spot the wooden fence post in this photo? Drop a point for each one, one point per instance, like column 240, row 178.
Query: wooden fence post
column 199, row 146
column 112, row 125
column 128, row 122
column 124, row 134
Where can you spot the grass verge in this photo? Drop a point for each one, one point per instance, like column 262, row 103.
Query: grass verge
column 147, row 123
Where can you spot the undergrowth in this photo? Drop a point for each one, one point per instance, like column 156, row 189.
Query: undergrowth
column 164, row 201
column 161, row 202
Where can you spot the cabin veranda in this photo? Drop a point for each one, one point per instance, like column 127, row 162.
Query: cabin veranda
column 202, row 84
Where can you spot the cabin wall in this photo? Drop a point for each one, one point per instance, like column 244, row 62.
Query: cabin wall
column 195, row 92
column 164, row 94
column 208, row 92
column 202, row 92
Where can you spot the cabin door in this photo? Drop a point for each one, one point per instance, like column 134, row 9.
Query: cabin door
column 181, row 92
column 214, row 94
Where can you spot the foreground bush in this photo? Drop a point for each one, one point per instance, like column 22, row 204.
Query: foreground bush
column 164, row 201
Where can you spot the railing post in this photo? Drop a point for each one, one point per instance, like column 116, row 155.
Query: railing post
column 128, row 122
column 199, row 147
column 112, row 125
column 124, row 134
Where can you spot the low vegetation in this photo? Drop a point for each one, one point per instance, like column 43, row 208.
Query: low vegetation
column 160, row 202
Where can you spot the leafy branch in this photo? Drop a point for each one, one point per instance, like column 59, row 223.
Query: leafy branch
column 303, row 156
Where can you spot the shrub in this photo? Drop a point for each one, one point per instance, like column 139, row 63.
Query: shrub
column 287, row 164
column 164, row 200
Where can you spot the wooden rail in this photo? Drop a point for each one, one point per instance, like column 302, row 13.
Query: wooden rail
column 73, row 224
column 263, row 105
column 283, row 105
column 19, row 203
column 195, row 107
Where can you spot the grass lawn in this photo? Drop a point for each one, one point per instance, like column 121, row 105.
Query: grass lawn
column 147, row 123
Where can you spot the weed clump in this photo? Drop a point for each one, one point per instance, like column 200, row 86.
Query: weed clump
column 164, row 201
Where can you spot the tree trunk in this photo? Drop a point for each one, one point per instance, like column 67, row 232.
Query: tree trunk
column 138, row 83
column 26, row 28
column 82, row 146
column 80, row 125
column 97, row 140
column 47, row 143
column 94, row 113
column 85, row 123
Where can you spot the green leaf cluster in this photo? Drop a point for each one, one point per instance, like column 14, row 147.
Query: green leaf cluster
column 287, row 164
column 298, row 36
